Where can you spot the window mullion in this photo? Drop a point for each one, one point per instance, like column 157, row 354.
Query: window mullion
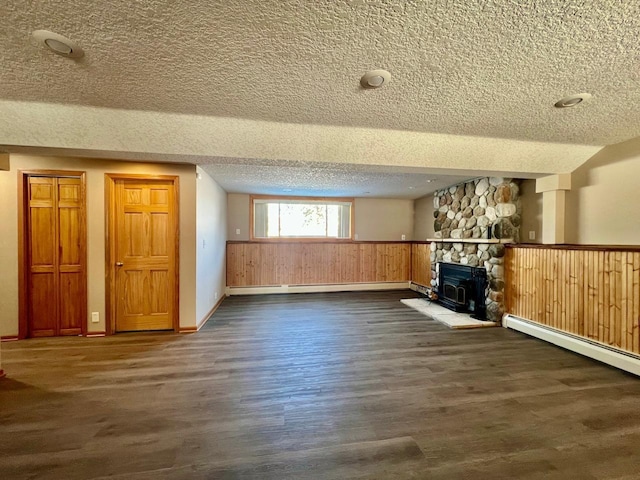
column 326, row 220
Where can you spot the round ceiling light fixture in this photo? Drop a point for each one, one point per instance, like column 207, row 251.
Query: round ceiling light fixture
column 572, row 100
column 58, row 44
column 375, row 79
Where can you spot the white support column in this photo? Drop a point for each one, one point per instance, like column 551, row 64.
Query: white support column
column 553, row 189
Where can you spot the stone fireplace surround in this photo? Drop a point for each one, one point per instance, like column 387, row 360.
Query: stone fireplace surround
column 473, row 221
column 491, row 255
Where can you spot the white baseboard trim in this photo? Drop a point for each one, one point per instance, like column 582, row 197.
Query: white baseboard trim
column 346, row 287
column 616, row 358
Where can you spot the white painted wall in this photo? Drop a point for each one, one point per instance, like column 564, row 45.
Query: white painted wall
column 383, row 219
column 238, row 216
column 211, row 235
column 602, row 205
column 531, row 212
column 423, row 218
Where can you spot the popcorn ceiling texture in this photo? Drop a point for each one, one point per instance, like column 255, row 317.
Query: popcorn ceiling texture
column 143, row 135
column 315, row 178
column 484, row 68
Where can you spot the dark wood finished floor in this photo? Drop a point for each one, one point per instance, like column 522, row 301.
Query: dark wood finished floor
column 315, row 386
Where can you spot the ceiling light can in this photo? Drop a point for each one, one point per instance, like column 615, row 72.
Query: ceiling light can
column 375, row 79
column 58, row 44
column 572, row 100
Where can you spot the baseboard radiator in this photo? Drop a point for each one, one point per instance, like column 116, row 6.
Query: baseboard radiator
column 611, row 356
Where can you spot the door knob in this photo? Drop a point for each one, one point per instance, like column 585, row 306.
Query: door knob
column 119, row 264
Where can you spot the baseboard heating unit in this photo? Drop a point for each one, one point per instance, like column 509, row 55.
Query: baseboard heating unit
column 598, row 351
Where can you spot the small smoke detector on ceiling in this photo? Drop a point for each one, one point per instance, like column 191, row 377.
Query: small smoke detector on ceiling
column 572, row 100
column 375, row 79
column 58, row 44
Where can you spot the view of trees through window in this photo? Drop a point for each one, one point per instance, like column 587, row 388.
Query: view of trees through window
column 274, row 219
column 302, row 220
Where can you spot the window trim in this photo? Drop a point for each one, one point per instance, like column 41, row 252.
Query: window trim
column 253, row 238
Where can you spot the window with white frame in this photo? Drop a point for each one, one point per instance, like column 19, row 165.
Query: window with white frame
column 299, row 218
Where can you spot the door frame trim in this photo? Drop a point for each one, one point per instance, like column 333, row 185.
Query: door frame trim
column 23, row 247
column 110, row 253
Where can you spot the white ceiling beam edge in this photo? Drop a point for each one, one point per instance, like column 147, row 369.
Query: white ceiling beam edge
column 154, row 136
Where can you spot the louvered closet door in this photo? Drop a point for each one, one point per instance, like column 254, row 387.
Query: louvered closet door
column 56, row 256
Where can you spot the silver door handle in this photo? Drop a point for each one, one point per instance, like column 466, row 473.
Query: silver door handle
column 119, row 264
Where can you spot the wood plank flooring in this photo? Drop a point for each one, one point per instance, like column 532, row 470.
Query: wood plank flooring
column 315, row 386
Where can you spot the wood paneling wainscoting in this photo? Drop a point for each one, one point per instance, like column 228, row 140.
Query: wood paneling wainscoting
column 589, row 291
column 315, row 263
column 421, row 263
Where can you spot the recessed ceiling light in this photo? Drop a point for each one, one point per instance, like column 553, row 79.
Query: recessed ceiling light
column 375, row 79
column 429, row 180
column 572, row 100
column 411, row 188
column 58, row 44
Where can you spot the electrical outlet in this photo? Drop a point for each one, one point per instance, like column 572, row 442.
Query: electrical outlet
column 204, row 243
column 95, row 317
column 215, row 295
column 356, row 236
column 532, row 235
column 237, row 231
column 404, row 237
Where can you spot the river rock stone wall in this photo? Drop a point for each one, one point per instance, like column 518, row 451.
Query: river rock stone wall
column 483, row 209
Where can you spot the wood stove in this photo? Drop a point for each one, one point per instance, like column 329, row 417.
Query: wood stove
column 462, row 288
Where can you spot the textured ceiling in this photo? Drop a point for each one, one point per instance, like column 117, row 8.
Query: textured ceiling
column 489, row 68
column 203, row 81
column 321, row 179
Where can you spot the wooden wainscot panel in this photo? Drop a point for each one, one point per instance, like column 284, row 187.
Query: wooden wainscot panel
column 421, row 264
column 306, row 263
column 590, row 292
